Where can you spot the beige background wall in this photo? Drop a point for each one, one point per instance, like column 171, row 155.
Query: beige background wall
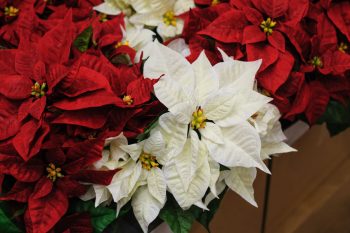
column 310, row 191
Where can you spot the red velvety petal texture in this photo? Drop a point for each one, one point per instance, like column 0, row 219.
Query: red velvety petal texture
column 43, row 213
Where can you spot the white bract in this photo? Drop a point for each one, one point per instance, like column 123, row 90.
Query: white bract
column 153, row 13
column 136, row 37
column 141, row 179
column 114, row 7
column 266, row 122
column 162, row 14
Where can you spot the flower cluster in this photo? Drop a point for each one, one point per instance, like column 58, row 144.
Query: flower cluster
column 216, row 132
column 139, row 104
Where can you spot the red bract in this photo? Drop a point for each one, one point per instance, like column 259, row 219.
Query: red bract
column 339, row 14
column 17, row 19
column 48, row 180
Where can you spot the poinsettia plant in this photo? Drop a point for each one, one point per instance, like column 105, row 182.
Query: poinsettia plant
column 120, row 115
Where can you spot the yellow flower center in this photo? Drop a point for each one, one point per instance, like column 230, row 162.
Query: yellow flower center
column 53, row 172
column 268, row 25
column 316, row 61
column 198, row 119
column 38, row 90
column 343, row 47
column 103, row 17
column 169, row 18
column 148, row 161
column 122, row 43
column 215, row 2
column 128, row 100
column 11, row 11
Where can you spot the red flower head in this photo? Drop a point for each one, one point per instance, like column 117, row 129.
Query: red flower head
column 47, row 181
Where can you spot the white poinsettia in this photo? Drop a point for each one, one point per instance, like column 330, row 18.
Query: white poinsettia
column 136, row 37
column 266, row 122
column 161, row 14
column 239, row 180
column 141, row 179
column 112, row 158
column 215, row 102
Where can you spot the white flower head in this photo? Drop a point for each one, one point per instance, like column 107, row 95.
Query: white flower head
column 161, row 14
column 215, row 102
column 141, row 180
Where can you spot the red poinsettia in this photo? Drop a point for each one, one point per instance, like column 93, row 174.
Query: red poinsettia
column 41, row 77
column 18, row 18
column 48, row 180
column 81, row 9
column 324, row 73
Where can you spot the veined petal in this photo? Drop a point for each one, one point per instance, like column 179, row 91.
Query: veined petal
column 135, row 176
column 151, row 6
column 134, row 150
column 126, row 199
column 196, row 189
column 183, row 112
column 231, row 71
column 179, row 45
column 124, row 181
column 102, row 194
column 146, row 208
column 149, row 19
column 138, row 36
column 219, row 105
column 114, row 145
column 167, row 31
column 275, row 149
column 201, row 205
column 212, row 132
column 241, row 147
column 240, row 180
column 187, row 161
column 171, row 94
column 154, row 144
column 207, row 81
column 157, row 184
column 165, row 61
column 220, row 187
column 174, row 133
column 238, row 72
column 215, row 173
column 107, row 8
column 246, row 103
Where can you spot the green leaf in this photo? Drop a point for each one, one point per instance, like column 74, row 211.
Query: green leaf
column 179, row 221
column 337, row 117
column 205, row 217
column 101, row 216
column 6, row 225
column 83, row 40
column 147, row 131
